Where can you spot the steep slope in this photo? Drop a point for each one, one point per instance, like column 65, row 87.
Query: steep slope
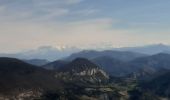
column 156, row 62
column 160, row 85
column 113, row 66
column 147, row 67
column 84, row 70
column 157, row 88
column 143, row 73
column 120, row 55
column 19, row 79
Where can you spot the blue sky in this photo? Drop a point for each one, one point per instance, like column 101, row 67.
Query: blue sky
column 27, row 24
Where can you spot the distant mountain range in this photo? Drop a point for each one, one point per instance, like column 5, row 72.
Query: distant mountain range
column 139, row 67
column 52, row 53
column 149, row 49
column 47, row 52
column 120, row 55
column 158, row 61
column 113, row 62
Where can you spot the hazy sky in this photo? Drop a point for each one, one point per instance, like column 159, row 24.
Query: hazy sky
column 27, row 24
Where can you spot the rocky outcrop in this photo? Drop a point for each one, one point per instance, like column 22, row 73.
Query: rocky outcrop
column 82, row 69
column 91, row 72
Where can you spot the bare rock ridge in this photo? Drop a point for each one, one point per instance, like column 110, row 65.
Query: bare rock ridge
column 83, row 69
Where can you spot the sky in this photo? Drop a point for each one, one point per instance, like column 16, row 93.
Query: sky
column 27, row 24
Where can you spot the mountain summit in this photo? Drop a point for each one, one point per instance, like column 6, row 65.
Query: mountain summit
column 83, row 69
